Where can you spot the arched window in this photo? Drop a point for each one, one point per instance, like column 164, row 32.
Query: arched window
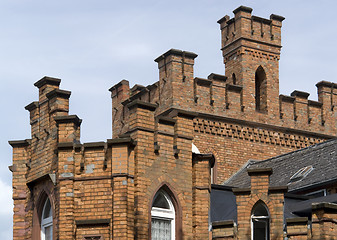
column 260, row 90
column 47, row 221
column 162, row 217
column 234, row 78
column 260, row 222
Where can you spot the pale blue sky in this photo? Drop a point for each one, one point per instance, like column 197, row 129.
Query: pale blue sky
column 92, row 45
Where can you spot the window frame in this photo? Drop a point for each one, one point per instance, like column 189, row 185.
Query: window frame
column 265, row 219
column 164, row 214
column 46, row 222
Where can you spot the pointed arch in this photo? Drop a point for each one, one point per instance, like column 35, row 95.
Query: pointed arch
column 260, row 221
column 47, row 221
column 43, row 216
column 260, row 89
column 234, row 79
column 165, row 211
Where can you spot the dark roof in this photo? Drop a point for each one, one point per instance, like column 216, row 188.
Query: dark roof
column 223, row 204
column 303, row 208
column 322, row 157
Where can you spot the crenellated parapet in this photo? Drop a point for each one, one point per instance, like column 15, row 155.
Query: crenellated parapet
column 243, row 34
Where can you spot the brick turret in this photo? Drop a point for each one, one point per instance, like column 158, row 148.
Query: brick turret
column 251, row 49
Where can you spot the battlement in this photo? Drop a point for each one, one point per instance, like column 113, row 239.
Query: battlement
column 245, row 30
column 50, row 124
column 217, row 95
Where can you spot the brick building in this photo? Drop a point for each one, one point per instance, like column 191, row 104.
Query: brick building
column 170, row 141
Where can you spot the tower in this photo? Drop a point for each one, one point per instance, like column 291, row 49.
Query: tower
column 251, row 50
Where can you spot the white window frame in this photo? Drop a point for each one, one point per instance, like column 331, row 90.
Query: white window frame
column 46, row 222
column 165, row 214
column 265, row 219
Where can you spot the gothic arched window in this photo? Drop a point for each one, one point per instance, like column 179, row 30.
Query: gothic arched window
column 234, row 79
column 162, row 217
column 260, row 90
column 47, row 221
column 260, row 222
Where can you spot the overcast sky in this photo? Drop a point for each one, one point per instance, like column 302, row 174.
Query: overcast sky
column 93, row 44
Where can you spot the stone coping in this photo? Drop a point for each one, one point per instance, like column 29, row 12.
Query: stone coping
column 259, row 171
column 243, row 9
column 47, row 80
column 19, row 143
column 215, row 76
column 204, row 157
column 58, row 93
column 176, row 52
column 32, row 106
column 123, row 82
column 68, row 119
column 220, row 224
column 300, row 94
column 141, row 104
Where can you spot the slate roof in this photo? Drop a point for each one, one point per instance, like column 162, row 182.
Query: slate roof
column 223, row 204
column 322, row 157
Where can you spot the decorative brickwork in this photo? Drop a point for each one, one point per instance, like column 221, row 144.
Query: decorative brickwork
column 105, row 190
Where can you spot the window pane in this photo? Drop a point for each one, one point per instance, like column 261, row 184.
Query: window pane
column 47, row 210
column 160, row 229
column 48, row 231
column 260, row 210
column 161, row 202
column 259, row 230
